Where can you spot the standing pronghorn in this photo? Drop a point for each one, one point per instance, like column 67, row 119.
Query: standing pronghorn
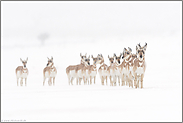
column 22, row 72
column 118, row 62
column 92, row 69
column 72, row 73
column 139, row 65
column 49, row 72
column 81, row 71
column 103, row 70
column 130, row 65
column 124, row 66
column 112, row 71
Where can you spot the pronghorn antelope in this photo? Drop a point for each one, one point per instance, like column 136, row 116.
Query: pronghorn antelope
column 130, row 63
column 139, row 65
column 112, row 71
column 124, row 66
column 103, row 70
column 71, row 70
column 118, row 62
column 92, row 69
column 22, row 72
column 81, row 70
column 49, row 72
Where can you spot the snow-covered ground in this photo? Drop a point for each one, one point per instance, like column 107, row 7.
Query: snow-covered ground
column 159, row 100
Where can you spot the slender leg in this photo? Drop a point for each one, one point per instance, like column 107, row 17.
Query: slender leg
column 21, row 82
column 102, row 79
column 69, row 80
column 43, row 81
column 110, row 81
column 25, row 81
column 119, row 80
column 17, row 81
column 90, row 80
column 72, row 80
column 77, row 81
column 50, row 81
column 123, row 82
column 80, row 81
column 53, row 81
column 142, row 76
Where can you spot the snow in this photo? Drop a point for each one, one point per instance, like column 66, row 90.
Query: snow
column 159, row 100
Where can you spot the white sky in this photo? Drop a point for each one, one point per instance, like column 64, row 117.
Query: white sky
column 90, row 19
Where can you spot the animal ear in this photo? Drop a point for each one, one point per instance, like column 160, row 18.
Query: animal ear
column 92, row 56
column 80, row 54
column 115, row 54
column 89, row 56
column 108, row 56
column 120, row 54
column 48, row 58
column 137, row 47
column 124, row 50
column 27, row 59
column 20, row 59
column 51, row 57
column 85, row 54
column 145, row 46
column 130, row 49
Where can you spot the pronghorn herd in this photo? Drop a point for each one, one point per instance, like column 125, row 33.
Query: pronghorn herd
column 126, row 69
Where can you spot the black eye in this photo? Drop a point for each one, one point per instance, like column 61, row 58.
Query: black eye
column 81, row 56
column 127, row 52
column 138, row 51
column 85, row 59
column 99, row 58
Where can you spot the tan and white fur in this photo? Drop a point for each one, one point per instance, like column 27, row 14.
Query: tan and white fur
column 130, row 65
column 49, row 72
column 22, row 72
column 139, row 65
column 112, row 71
column 72, row 73
column 124, row 67
column 118, row 71
column 103, row 70
column 82, row 71
column 92, row 71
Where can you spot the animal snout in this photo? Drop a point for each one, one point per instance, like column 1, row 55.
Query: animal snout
column 119, row 62
column 47, row 65
column 122, row 57
column 140, row 56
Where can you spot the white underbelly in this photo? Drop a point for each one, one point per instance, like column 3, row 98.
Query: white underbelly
column 87, row 74
column 53, row 74
column 93, row 73
column 112, row 72
column 140, row 70
column 72, row 73
column 124, row 71
column 118, row 72
column 23, row 75
column 103, row 73
column 79, row 74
